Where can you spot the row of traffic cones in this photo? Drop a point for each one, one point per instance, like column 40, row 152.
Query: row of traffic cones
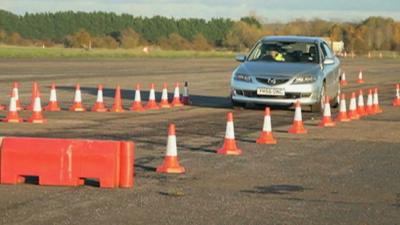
column 171, row 162
column 343, row 81
column 36, row 107
column 99, row 104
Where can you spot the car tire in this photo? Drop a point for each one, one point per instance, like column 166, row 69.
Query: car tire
column 319, row 106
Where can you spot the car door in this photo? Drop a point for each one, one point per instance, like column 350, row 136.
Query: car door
column 330, row 70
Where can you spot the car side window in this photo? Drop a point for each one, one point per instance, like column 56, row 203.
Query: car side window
column 326, row 51
column 256, row 53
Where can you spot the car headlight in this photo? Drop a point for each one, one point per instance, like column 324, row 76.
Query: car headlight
column 304, row 79
column 243, row 77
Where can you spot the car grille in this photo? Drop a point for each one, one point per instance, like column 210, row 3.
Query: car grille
column 253, row 94
column 271, row 81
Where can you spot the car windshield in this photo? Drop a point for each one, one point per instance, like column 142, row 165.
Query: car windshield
column 285, row 52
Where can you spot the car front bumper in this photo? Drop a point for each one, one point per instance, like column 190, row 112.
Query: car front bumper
column 308, row 94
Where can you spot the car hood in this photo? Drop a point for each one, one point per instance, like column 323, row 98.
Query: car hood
column 277, row 69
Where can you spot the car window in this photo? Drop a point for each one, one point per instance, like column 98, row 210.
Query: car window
column 285, row 52
column 326, row 51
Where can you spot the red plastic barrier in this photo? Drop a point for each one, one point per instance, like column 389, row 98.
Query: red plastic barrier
column 67, row 162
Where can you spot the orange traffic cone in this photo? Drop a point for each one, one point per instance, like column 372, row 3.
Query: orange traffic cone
column 34, row 93
column 176, row 102
column 99, row 104
column 15, row 93
column 266, row 136
column 342, row 116
column 229, row 147
column 297, row 127
column 53, row 104
column 151, row 104
column 12, row 116
column 375, row 102
column 327, row 117
column 396, row 101
column 77, row 106
column 352, row 114
column 164, row 97
column 117, row 106
column 360, row 78
column 360, row 104
column 369, row 108
column 343, row 80
column 185, row 96
column 137, row 103
column 171, row 162
column 37, row 116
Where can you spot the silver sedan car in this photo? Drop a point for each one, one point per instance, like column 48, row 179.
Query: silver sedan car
column 279, row 70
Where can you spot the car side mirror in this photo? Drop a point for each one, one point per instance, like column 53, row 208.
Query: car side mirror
column 240, row 58
column 329, row 61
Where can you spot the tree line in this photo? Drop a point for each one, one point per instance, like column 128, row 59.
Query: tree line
column 110, row 30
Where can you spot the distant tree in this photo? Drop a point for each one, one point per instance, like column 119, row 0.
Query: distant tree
column 252, row 21
column 174, row 42
column 80, row 39
column 199, row 43
column 129, row 38
column 3, row 36
column 242, row 36
column 14, row 39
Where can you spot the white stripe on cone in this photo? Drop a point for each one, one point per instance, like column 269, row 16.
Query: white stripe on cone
column 343, row 107
column 327, row 110
column 369, row 100
column 375, row 98
column 360, row 100
column 138, row 98
column 37, row 106
column 397, row 93
column 164, row 94
column 78, row 96
column 15, row 94
column 297, row 114
column 230, row 132
column 267, row 123
column 353, row 105
column 171, row 146
column 13, row 105
column 99, row 95
column 360, row 75
column 344, row 76
column 152, row 95
column 176, row 92
column 53, row 95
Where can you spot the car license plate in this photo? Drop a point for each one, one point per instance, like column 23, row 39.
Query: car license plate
column 271, row 91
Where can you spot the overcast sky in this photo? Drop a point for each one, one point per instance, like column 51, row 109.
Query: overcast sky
column 272, row 10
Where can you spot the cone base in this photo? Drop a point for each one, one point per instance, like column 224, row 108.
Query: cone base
column 52, row 107
column 297, row 128
column 36, row 120
column 327, row 123
column 77, row 107
column 396, row 102
column 360, row 81
column 342, row 118
column 2, row 107
column 99, row 110
column 377, row 109
column 361, row 112
column 343, row 83
column 266, row 138
column 12, row 120
column 152, row 105
column 117, row 109
column 99, row 107
column 170, row 165
column 353, row 115
column 229, row 148
column 176, row 102
column 165, row 105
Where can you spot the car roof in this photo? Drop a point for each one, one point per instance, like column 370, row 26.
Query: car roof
column 306, row 39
